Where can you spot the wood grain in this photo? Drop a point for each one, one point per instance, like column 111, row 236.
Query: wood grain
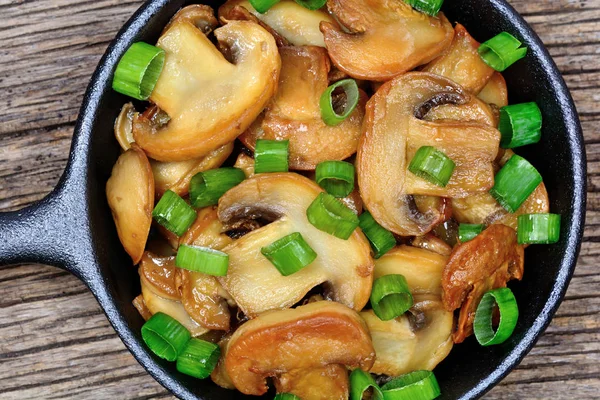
column 54, row 340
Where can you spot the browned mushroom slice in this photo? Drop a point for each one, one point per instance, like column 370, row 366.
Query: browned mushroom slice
column 315, row 335
column 219, row 374
column 281, row 201
column 124, row 126
column 239, row 13
column 139, row 305
column 206, row 231
column 176, row 175
column 432, row 243
column 477, row 266
column 482, row 208
column 298, row 25
column 130, row 195
column 495, row 92
column 200, row 89
column 295, row 114
column 324, row 383
column 417, row 340
column 246, row 164
column 199, row 15
column 462, row 63
column 393, row 132
column 381, row 39
column 159, row 272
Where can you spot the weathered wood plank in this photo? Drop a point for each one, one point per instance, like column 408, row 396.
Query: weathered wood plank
column 54, row 340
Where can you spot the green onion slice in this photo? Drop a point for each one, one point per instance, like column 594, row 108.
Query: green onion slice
column 520, row 125
column 432, row 165
column 202, row 259
column 501, row 51
column 289, row 254
column 329, row 215
column 468, row 232
column 360, row 382
column 380, row 238
column 286, row 396
column 271, row 156
column 312, row 4
column 390, row 296
column 429, row 7
column 538, row 228
column 165, row 336
column 174, row 213
column 509, row 313
column 207, row 187
column 346, row 104
column 199, row 358
column 336, row 177
column 138, row 70
column 515, row 182
column 262, row 6
column 417, row 385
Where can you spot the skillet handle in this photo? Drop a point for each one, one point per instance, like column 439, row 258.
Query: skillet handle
column 47, row 232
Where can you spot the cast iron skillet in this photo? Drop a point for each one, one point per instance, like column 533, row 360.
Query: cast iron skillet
column 72, row 227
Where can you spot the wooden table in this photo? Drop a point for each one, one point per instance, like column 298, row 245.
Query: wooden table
column 54, row 339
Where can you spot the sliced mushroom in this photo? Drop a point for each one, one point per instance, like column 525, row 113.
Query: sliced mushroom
column 200, row 89
column 297, row 24
column 207, row 231
column 295, row 113
column 381, row 39
column 199, row 15
column 421, row 268
column 345, row 266
column 176, row 175
column 124, row 126
column 487, row 262
column 219, row 374
column 393, row 132
column 202, row 297
column 418, row 340
column 482, row 208
column 495, row 91
column 432, row 243
column 462, row 62
column 324, row 383
column 139, row 305
column 130, row 195
column 246, row 164
column 315, row 335
column 173, row 308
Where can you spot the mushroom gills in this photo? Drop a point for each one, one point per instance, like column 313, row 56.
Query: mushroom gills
column 294, row 114
column 296, row 24
column 380, row 39
column 199, row 88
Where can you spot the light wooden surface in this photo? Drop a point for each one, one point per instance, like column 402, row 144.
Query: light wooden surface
column 55, row 341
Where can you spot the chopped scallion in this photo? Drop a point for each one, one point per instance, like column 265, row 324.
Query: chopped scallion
column 312, row 4
column 515, row 182
column 202, row 259
column 538, row 228
column 429, row 7
column 330, row 115
column 380, row 238
column 509, row 314
column 271, row 156
column 289, row 254
column 520, row 125
column 501, row 51
column 286, row 396
column 139, row 70
column 165, row 336
column 174, row 213
column 207, row 187
column 336, row 177
column 360, row 382
column 390, row 296
column 262, row 6
column 417, row 385
column 432, row 165
column 326, row 213
column 199, row 358
column 468, row 232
